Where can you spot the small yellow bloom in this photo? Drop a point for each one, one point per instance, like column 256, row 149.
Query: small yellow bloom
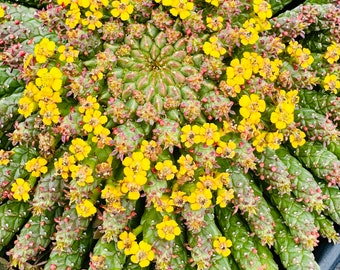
column 67, row 53
column 239, row 71
column 210, row 134
column 200, row 198
column 86, row 208
column 80, row 148
column 215, row 3
column 297, row 137
column 331, row 83
column 93, row 121
column 50, row 114
column 88, row 104
column 43, row 50
column 128, row 243
column 27, row 106
column 262, row 9
column 332, row 54
column 2, row 12
column 168, row 229
column 4, row 156
column 20, row 189
column 251, row 107
column 181, row 8
column 191, row 135
column 92, row 20
column 213, row 47
column 215, row 23
column 144, row 255
column 224, row 196
column 222, row 245
column 122, row 9
column 36, row 166
column 49, row 78
column 82, row 174
column 166, row 170
column 283, row 115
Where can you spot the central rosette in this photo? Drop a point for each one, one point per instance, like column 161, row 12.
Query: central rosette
column 157, row 76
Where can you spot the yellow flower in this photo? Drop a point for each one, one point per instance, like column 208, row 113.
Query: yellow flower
column 213, row 47
column 47, row 96
column 226, row 150
column 63, row 164
column 36, row 166
column 2, row 12
column 128, row 243
column 101, row 137
column 67, row 53
column 4, row 156
column 251, row 107
column 255, row 60
column 331, row 83
column 51, row 79
column 209, row 182
column 144, row 255
column 42, row 50
column 200, row 198
column 166, row 170
column 303, row 57
column 181, row 8
column 31, row 91
column 215, row 23
column 178, row 198
column 88, row 104
column 332, row 54
column 187, row 168
column 239, row 71
column 210, row 134
column 26, row 106
column 93, row 121
column 163, row 203
column 274, row 139
column 213, row 2
column 222, row 245
column 150, row 149
column 283, row 115
column 262, row 9
column 83, row 3
column 73, row 16
column 260, row 142
column 122, row 9
column 191, row 135
column 168, row 229
column 82, row 174
column 20, row 190
column 131, row 188
column 224, row 196
column 137, row 162
column 80, row 149
column 270, row 69
column 86, row 208
column 297, row 137
column 248, row 35
column 92, row 20
column 50, row 114
column 111, row 192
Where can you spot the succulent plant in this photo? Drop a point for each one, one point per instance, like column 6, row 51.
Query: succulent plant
column 168, row 134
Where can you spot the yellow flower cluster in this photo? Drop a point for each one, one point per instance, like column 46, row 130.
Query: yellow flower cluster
column 301, row 55
column 135, row 171
column 179, row 8
column 45, row 92
column 141, row 253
